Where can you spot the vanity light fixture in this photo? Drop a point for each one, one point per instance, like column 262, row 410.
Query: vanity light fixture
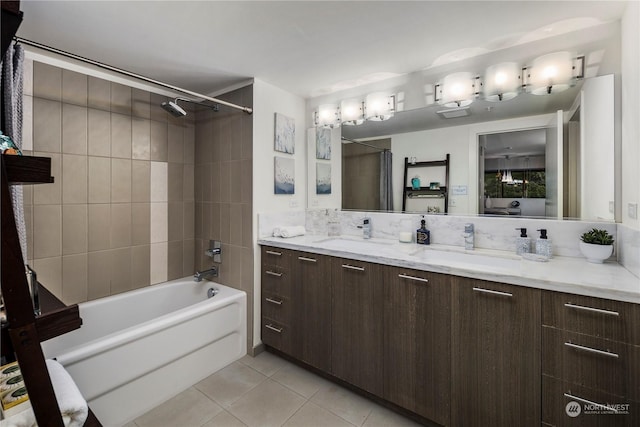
column 352, row 112
column 553, row 73
column 502, row 81
column 457, row 90
column 327, row 116
column 380, row 106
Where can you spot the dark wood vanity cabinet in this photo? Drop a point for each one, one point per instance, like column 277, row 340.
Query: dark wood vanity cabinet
column 357, row 323
column 417, row 342
column 495, row 354
column 591, row 356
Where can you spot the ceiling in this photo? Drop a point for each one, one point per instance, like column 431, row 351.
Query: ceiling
column 309, row 48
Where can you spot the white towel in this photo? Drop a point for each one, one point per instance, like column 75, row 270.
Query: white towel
column 297, row 230
column 72, row 405
column 277, row 231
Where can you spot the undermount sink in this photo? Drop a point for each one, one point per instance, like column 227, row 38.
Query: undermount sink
column 474, row 260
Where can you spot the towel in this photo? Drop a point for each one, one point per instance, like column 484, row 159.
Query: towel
column 292, row 231
column 72, row 405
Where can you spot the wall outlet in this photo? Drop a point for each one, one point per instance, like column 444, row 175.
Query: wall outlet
column 314, row 202
column 452, row 202
column 632, row 210
column 611, row 207
column 293, row 203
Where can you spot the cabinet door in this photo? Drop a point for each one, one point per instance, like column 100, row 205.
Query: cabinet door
column 496, row 354
column 417, row 342
column 356, row 323
column 312, row 319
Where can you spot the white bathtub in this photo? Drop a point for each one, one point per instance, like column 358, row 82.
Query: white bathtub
column 137, row 349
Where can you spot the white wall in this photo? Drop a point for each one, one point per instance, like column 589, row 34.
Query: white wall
column 630, row 111
column 268, row 100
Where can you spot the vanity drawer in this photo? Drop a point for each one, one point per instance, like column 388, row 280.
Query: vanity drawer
column 593, row 362
column 277, row 280
column 277, row 335
column 277, row 307
column 614, row 320
column 557, row 394
column 276, row 257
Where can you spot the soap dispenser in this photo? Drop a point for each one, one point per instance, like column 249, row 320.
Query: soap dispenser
column 423, row 236
column 543, row 245
column 523, row 243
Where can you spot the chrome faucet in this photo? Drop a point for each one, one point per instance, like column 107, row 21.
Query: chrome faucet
column 366, row 228
column 213, row 271
column 468, row 237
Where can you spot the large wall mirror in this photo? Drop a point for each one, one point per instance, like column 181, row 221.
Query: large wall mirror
column 555, row 154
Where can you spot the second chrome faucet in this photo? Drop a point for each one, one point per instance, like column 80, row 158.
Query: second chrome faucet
column 468, row 236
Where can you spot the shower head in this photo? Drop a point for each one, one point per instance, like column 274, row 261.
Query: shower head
column 173, row 108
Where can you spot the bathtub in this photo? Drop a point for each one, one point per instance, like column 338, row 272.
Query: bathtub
column 137, row 349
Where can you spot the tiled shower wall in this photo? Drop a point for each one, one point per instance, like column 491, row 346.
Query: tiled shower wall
column 223, row 193
column 120, row 214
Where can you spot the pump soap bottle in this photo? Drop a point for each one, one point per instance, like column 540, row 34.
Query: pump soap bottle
column 543, row 245
column 523, row 243
column 423, row 236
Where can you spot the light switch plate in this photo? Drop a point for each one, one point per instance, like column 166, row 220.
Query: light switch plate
column 632, row 210
column 611, row 206
column 452, row 202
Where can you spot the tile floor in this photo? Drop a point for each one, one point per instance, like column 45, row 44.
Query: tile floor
column 268, row 391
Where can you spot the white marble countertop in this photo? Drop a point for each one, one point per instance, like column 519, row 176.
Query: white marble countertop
column 563, row 274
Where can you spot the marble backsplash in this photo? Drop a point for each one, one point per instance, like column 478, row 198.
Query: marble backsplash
column 490, row 232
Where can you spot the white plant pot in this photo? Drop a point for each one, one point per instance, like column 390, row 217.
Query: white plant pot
column 595, row 253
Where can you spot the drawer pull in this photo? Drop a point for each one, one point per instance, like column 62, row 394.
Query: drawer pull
column 302, row 258
column 352, row 267
column 273, row 328
column 592, row 350
column 417, row 279
column 273, row 301
column 274, row 253
column 273, row 273
column 595, row 310
column 489, row 291
column 589, row 402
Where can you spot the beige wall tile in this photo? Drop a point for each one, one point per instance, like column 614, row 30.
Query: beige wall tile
column 236, row 137
column 74, row 129
column 207, row 182
column 75, row 229
column 99, row 179
column 99, row 227
column 188, row 220
column 159, row 185
column 159, row 144
column 120, row 270
column 50, row 274
column 75, row 278
column 175, row 141
column 246, row 269
column 188, row 184
column 47, row 127
column 230, row 268
column 120, row 136
column 198, row 172
column 189, row 144
column 120, row 98
column 199, row 256
column 225, row 182
column 27, row 123
column 27, row 76
column 197, row 220
column 46, row 194
column 176, row 221
column 99, row 94
column 140, row 266
column 47, row 231
column 174, row 260
column 246, row 181
column 247, row 225
column 74, row 179
column 140, row 181
column 225, row 222
column 215, row 182
column 74, row 88
column 188, row 261
column 159, row 257
column 226, row 133
column 175, row 179
column 120, row 181
column 141, row 139
column 235, row 224
column 235, row 181
column 99, row 278
column 217, row 224
column 99, row 133
column 140, row 223
column 47, row 81
column 27, row 192
column 28, row 220
column 157, row 113
column 159, row 222
column 120, row 236
column 207, row 222
column 140, row 103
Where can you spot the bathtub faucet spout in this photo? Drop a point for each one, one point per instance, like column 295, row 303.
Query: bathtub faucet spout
column 213, row 271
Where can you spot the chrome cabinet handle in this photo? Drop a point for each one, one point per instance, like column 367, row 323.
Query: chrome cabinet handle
column 417, row 279
column 302, row 258
column 274, row 253
column 592, row 350
column 273, row 301
column 589, row 402
column 352, row 267
column 489, row 291
column 273, row 273
column 273, row 328
column 595, row 310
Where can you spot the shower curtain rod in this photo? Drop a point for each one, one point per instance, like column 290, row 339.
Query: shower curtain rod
column 247, row 110
column 362, row 143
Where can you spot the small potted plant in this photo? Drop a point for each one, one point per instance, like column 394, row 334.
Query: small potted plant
column 596, row 245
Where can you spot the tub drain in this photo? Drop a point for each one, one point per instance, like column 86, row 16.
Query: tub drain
column 212, row 292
